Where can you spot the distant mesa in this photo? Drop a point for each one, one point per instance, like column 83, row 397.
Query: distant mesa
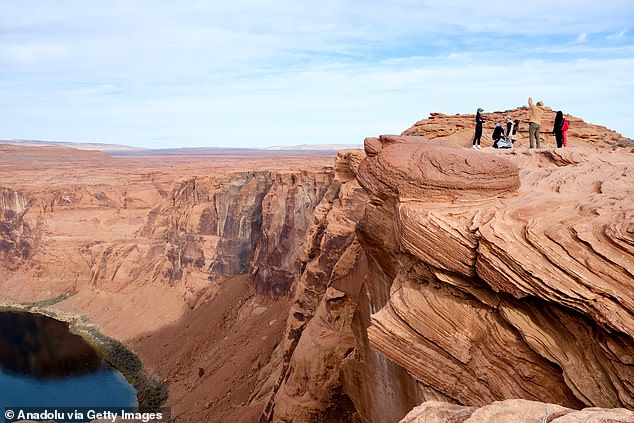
column 118, row 149
column 71, row 144
column 315, row 147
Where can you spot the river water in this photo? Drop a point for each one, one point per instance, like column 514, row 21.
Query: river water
column 42, row 364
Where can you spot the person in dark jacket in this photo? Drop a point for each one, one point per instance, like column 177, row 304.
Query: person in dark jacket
column 478, row 129
column 559, row 129
column 500, row 140
column 498, row 134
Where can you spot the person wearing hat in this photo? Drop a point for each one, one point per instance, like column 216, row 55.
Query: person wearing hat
column 498, row 134
column 499, row 140
column 509, row 126
column 511, row 129
column 478, row 129
column 535, row 122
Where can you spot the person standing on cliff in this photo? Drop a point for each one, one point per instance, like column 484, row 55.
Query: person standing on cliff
column 478, row 129
column 535, row 122
column 564, row 132
column 560, row 128
column 511, row 130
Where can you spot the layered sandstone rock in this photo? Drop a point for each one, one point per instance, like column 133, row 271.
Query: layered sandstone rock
column 231, row 224
column 16, row 235
column 94, row 221
column 421, row 273
column 513, row 411
column 319, row 329
column 458, row 129
column 144, row 247
column 500, row 289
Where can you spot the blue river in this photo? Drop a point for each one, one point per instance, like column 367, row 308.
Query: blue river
column 42, row 364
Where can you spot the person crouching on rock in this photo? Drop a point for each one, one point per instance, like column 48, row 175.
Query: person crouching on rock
column 499, row 141
column 498, row 134
column 478, row 129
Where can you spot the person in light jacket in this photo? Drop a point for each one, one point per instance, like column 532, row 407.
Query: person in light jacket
column 535, row 122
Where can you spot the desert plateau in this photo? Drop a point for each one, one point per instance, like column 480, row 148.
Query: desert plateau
column 412, row 280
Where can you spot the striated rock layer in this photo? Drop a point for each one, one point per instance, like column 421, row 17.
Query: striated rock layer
column 187, row 259
column 513, row 411
column 459, row 129
column 328, row 372
column 297, row 292
column 514, row 279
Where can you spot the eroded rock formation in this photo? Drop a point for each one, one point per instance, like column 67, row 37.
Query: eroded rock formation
column 16, row 235
column 504, row 290
column 513, row 410
column 319, row 330
column 111, row 223
column 458, row 129
column 422, row 272
column 236, row 223
column 146, row 250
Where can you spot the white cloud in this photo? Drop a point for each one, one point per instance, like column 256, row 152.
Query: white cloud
column 32, row 53
column 617, row 36
column 293, row 72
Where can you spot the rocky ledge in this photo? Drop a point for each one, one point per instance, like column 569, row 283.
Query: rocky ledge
column 513, row 411
column 524, row 291
column 485, row 285
column 511, row 273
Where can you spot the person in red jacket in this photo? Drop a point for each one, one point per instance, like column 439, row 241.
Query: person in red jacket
column 564, row 130
column 559, row 129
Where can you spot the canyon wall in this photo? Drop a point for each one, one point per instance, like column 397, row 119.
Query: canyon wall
column 147, row 250
column 469, row 278
column 237, row 223
column 90, row 228
column 416, row 272
column 328, row 372
column 16, row 235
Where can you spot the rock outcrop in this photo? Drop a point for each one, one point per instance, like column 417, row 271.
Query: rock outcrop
column 500, row 289
column 470, row 274
column 483, row 285
column 459, row 129
column 319, row 330
column 513, row 410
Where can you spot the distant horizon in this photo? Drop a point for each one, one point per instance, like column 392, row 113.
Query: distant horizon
column 245, row 74
column 115, row 146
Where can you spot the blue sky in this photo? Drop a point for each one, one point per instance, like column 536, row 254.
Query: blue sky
column 252, row 74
